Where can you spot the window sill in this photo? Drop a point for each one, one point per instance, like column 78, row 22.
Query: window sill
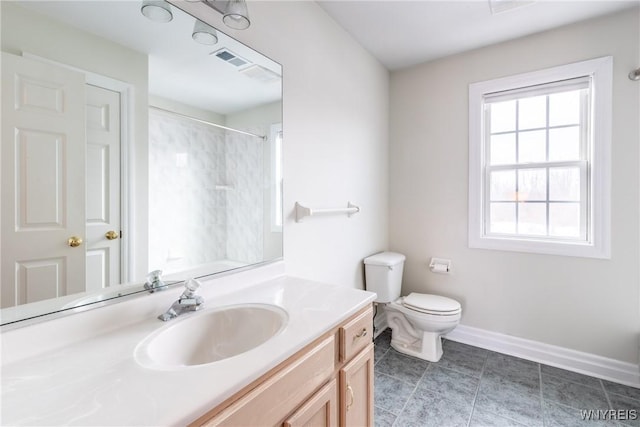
column 562, row 248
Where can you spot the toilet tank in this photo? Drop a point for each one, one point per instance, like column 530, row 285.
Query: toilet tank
column 383, row 275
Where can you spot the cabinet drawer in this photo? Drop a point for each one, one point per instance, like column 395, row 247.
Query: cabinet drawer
column 266, row 404
column 356, row 334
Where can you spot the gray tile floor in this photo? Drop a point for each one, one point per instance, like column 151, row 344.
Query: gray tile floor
column 471, row 386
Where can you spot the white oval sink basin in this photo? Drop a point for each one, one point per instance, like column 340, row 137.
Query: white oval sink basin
column 211, row 335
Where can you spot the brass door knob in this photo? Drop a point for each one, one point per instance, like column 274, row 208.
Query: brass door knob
column 74, row 241
column 111, row 235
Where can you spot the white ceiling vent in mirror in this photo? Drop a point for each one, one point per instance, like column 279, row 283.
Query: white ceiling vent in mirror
column 261, row 74
column 230, row 57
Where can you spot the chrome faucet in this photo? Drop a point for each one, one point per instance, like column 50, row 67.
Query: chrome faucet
column 188, row 301
column 154, row 282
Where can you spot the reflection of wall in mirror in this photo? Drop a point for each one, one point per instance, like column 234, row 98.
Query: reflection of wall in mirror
column 259, row 120
column 25, row 31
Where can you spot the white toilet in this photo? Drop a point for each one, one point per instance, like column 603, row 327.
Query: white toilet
column 417, row 321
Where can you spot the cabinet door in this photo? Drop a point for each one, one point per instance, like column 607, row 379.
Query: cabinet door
column 356, row 390
column 321, row 410
column 269, row 402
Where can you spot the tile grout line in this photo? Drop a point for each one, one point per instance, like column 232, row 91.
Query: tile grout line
column 606, row 396
column 542, row 405
column 478, row 391
column 381, row 357
column 475, row 396
column 581, row 384
column 573, row 381
column 411, row 394
column 401, row 380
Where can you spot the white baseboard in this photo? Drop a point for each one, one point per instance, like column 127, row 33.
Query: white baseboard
column 560, row 357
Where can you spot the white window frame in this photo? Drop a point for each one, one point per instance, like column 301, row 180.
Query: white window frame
column 275, row 138
column 598, row 242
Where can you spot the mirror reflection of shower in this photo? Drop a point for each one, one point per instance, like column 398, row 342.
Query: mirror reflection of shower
column 225, row 207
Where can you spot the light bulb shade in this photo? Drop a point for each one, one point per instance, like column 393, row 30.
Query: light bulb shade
column 204, row 33
column 156, row 10
column 236, row 15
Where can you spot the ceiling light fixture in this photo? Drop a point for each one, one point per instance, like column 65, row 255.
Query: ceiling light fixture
column 156, row 10
column 204, row 33
column 235, row 13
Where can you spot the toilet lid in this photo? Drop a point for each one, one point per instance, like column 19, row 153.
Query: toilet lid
column 427, row 303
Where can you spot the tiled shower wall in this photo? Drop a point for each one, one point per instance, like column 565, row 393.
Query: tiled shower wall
column 205, row 194
column 245, row 200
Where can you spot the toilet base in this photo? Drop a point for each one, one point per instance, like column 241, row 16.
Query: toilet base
column 428, row 348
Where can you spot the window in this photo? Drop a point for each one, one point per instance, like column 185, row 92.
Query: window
column 539, row 146
column 276, row 177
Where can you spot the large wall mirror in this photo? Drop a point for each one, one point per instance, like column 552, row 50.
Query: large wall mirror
column 130, row 143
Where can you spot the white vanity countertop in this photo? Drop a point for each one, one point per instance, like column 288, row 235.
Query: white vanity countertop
column 97, row 381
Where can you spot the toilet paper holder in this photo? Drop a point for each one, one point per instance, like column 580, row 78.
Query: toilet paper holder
column 440, row 265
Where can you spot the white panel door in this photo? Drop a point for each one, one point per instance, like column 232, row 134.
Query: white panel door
column 43, row 184
column 103, row 187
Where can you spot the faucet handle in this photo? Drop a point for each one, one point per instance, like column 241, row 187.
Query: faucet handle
column 190, row 288
column 154, row 282
column 189, row 300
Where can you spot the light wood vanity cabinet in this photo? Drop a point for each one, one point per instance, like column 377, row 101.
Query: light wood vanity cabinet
column 328, row 383
column 320, row 410
column 356, row 390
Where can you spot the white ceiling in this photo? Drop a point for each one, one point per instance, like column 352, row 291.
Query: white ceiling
column 399, row 33
column 404, row 33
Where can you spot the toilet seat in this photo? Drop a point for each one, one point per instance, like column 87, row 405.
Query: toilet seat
column 431, row 304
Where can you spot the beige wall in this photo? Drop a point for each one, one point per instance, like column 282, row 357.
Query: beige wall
column 335, row 136
column 583, row 304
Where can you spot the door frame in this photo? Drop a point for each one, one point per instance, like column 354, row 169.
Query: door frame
column 127, row 107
